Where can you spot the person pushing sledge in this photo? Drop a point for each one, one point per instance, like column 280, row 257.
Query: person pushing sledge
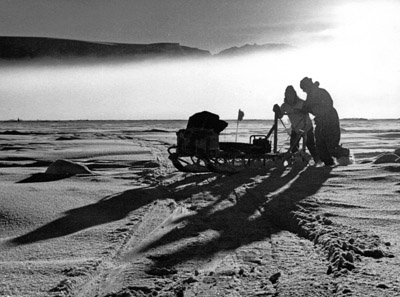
column 301, row 125
column 327, row 126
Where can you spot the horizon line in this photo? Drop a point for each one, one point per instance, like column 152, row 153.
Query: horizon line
column 104, row 120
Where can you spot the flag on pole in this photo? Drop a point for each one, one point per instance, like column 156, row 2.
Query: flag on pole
column 240, row 115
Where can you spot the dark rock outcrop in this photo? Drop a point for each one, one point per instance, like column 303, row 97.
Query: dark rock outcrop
column 67, row 168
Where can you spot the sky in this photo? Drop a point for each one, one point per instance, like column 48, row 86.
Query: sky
column 350, row 46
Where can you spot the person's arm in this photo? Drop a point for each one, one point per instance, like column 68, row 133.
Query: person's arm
column 276, row 109
column 303, row 109
column 306, row 107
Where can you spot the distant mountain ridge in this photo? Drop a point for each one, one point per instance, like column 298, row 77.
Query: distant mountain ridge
column 255, row 48
column 38, row 47
column 19, row 48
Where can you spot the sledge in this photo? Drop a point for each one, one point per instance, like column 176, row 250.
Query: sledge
column 198, row 148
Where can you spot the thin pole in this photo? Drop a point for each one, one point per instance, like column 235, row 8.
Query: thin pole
column 276, row 132
column 237, row 129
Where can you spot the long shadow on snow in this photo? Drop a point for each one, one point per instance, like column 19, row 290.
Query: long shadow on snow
column 233, row 223
column 221, row 188
column 108, row 209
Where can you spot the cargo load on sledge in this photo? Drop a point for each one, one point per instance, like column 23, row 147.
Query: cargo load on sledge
column 198, row 147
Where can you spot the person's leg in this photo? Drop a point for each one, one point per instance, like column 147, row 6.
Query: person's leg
column 332, row 136
column 334, row 147
column 293, row 140
column 322, row 149
column 310, row 143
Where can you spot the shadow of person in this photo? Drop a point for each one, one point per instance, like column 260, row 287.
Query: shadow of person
column 222, row 185
column 255, row 216
column 109, row 209
column 232, row 223
column 43, row 177
column 309, row 182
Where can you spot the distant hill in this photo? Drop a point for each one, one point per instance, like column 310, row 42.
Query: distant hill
column 17, row 48
column 255, row 48
column 20, row 48
column 354, row 119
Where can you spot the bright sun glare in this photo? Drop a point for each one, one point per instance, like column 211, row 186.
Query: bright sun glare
column 363, row 52
column 372, row 29
column 366, row 32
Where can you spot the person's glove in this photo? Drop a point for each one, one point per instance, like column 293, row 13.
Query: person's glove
column 276, row 109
